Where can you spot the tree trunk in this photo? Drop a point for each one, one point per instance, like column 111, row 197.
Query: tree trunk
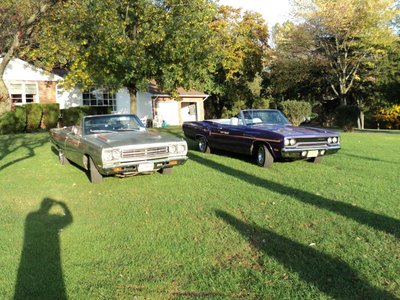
column 360, row 120
column 133, row 100
column 5, row 101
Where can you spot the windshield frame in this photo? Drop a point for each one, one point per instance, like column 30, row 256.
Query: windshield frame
column 261, row 120
column 111, row 123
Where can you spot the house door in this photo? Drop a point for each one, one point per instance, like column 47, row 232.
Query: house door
column 189, row 111
column 168, row 111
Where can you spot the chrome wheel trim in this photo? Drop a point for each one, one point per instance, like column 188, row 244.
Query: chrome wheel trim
column 260, row 155
column 202, row 144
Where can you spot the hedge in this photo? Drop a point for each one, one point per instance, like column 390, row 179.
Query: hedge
column 13, row 121
column 51, row 113
column 34, row 113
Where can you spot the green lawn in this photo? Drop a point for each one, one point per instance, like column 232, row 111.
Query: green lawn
column 219, row 227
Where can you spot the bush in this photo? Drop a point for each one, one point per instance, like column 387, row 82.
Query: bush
column 72, row 116
column 296, row 111
column 51, row 112
column 13, row 121
column 389, row 117
column 33, row 116
column 346, row 116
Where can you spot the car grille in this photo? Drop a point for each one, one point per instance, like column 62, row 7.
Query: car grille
column 311, row 142
column 145, row 153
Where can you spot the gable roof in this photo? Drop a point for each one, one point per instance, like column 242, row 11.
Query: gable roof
column 156, row 91
column 19, row 70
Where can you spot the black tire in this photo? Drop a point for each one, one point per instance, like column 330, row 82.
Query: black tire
column 203, row 145
column 315, row 160
column 264, row 158
column 61, row 156
column 166, row 171
column 95, row 176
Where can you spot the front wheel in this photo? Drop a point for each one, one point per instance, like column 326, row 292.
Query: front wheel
column 264, row 158
column 95, row 176
column 166, row 171
column 203, row 145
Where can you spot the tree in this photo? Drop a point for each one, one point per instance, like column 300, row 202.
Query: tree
column 240, row 42
column 17, row 23
column 349, row 34
column 128, row 43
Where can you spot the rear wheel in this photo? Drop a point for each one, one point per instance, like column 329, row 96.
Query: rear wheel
column 315, row 160
column 61, row 156
column 264, row 158
column 203, row 145
column 95, row 176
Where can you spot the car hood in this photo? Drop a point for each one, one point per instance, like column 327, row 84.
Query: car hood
column 124, row 138
column 292, row 131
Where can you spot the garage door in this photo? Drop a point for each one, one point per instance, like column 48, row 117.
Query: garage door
column 169, row 112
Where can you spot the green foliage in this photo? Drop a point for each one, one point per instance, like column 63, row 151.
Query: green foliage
column 13, row 121
column 241, row 45
column 346, row 116
column 389, row 117
column 51, row 112
column 296, row 111
column 128, row 43
column 73, row 116
column 33, row 116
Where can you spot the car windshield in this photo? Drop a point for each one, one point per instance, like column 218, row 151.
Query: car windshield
column 263, row 117
column 112, row 123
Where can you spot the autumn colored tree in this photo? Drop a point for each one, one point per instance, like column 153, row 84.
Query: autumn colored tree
column 17, row 26
column 240, row 43
column 349, row 35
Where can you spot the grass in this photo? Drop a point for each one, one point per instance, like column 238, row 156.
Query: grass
column 219, row 227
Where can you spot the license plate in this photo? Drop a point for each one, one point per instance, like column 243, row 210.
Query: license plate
column 313, row 153
column 146, row 167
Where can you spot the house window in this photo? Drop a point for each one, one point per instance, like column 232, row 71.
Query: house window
column 99, row 97
column 22, row 93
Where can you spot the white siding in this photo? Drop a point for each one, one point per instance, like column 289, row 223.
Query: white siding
column 144, row 105
column 123, row 101
column 168, row 111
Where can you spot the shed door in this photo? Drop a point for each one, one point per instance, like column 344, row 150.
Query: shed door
column 169, row 112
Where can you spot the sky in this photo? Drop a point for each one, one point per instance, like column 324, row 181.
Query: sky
column 273, row 11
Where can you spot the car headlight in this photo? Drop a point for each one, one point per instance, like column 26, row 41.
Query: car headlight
column 329, row 140
column 181, row 148
column 107, row 155
column 116, row 153
column 335, row 140
column 290, row 142
column 172, row 149
column 111, row 154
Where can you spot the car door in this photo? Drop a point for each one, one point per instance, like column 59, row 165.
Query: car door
column 73, row 146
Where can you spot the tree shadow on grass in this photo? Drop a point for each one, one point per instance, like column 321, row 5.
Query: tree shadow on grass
column 329, row 274
column 40, row 273
column 10, row 144
column 376, row 221
column 368, row 158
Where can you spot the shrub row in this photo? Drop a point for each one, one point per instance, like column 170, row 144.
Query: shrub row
column 35, row 116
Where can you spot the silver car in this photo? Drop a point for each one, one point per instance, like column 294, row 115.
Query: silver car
column 118, row 145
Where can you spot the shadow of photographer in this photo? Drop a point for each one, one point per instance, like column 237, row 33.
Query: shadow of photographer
column 40, row 273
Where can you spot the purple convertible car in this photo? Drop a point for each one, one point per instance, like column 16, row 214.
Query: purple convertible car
column 264, row 133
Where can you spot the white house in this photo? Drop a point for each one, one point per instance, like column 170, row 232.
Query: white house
column 27, row 83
